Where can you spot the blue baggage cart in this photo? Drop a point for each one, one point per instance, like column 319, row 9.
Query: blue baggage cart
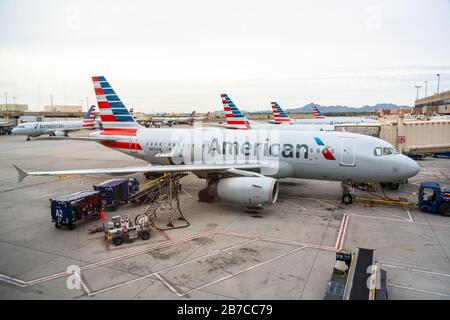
column 115, row 191
column 69, row 209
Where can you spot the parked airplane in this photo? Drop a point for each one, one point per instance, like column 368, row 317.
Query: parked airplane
column 319, row 115
column 237, row 120
column 242, row 166
column 179, row 120
column 280, row 116
column 55, row 128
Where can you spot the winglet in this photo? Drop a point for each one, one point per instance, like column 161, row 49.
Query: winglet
column 22, row 174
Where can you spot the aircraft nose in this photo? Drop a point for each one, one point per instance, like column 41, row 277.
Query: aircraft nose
column 411, row 167
column 13, row 131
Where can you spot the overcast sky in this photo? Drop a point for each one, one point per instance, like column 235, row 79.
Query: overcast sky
column 180, row 55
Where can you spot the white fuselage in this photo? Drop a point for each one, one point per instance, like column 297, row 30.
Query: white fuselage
column 35, row 129
column 334, row 120
column 337, row 156
column 294, row 126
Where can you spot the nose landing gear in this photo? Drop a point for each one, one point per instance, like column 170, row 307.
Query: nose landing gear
column 346, row 192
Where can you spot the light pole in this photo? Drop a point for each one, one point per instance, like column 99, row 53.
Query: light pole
column 51, row 103
column 426, row 87
column 6, row 101
column 439, row 78
column 418, row 87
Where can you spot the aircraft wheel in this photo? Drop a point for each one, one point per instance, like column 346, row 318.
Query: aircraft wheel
column 28, row 138
column 203, row 196
column 444, row 209
column 393, row 185
column 57, row 225
column 347, row 198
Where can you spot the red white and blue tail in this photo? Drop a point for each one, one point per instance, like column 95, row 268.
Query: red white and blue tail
column 235, row 118
column 279, row 115
column 113, row 113
column 89, row 118
column 317, row 114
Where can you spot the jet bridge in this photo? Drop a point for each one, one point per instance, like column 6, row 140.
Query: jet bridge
column 411, row 137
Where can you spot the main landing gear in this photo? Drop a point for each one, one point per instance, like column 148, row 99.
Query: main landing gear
column 28, row 138
column 346, row 192
column 390, row 185
column 204, row 196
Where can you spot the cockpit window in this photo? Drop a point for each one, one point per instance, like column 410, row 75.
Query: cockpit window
column 387, row 151
column 390, row 150
column 394, row 151
column 378, row 151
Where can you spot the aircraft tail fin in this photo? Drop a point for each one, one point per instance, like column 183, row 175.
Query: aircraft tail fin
column 235, row 118
column 88, row 119
column 113, row 113
column 317, row 114
column 279, row 115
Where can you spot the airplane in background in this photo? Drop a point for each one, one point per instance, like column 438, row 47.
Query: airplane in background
column 241, row 166
column 280, row 116
column 237, row 120
column 319, row 115
column 179, row 120
column 56, row 128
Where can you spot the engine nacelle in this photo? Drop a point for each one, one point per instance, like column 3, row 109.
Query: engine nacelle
column 245, row 190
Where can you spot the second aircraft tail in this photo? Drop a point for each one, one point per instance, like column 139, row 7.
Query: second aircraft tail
column 113, row 113
column 235, row 118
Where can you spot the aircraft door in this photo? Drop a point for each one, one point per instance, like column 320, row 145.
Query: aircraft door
column 348, row 152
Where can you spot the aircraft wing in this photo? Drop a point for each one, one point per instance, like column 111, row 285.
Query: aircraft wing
column 234, row 169
column 95, row 139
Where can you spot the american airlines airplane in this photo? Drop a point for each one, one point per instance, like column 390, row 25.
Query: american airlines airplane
column 55, row 128
column 241, row 166
column 180, row 120
column 237, row 120
column 280, row 116
column 336, row 120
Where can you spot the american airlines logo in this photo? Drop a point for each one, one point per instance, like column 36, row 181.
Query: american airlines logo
column 50, row 126
column 326, row 150
column 265, row 149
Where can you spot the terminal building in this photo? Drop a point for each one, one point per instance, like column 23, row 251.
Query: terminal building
column 63, row 108
column 436, row 104
column 13, row 107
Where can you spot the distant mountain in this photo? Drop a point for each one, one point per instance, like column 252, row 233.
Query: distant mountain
column 331, row 109
column 338, row 109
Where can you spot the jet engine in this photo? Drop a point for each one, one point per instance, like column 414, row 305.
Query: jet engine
column 245, row 190
column 58, row 134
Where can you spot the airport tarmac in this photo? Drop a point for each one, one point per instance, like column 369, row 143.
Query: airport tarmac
column 286, row 251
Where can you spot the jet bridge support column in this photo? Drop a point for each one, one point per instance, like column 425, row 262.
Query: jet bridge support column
column 400, row 133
